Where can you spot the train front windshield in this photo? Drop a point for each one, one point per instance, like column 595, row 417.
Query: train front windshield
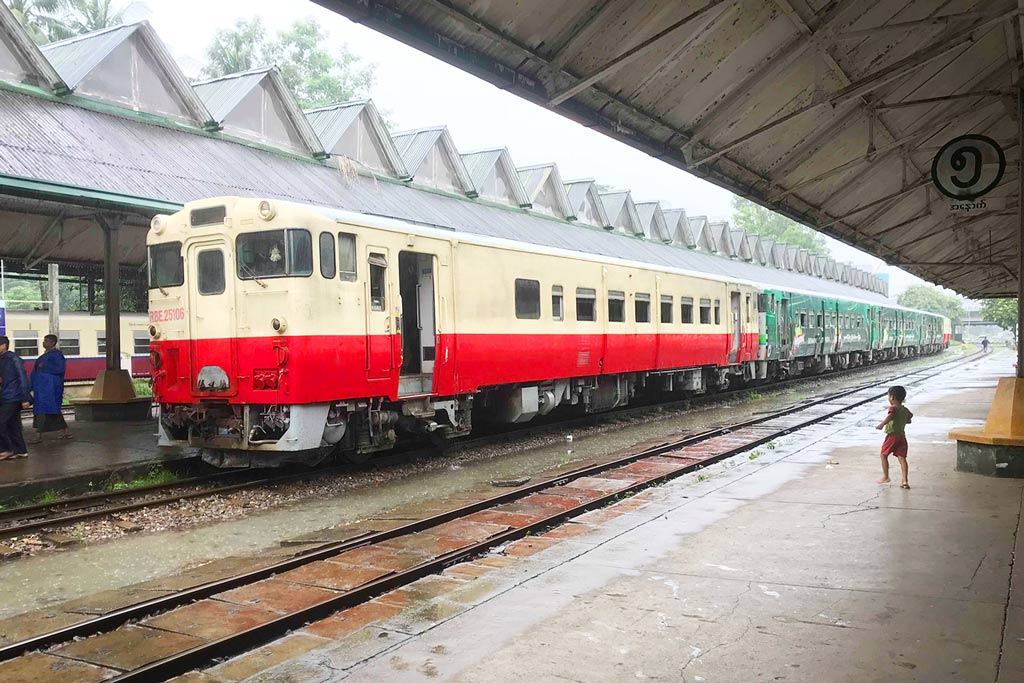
column 166, row 265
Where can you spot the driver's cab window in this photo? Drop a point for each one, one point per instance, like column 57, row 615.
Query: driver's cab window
column 274, row 253
column 378, row 281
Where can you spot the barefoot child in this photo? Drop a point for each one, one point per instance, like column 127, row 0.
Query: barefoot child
column 895, row 435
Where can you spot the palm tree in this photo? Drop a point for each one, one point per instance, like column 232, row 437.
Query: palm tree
column 92, row 15
column 41, row 18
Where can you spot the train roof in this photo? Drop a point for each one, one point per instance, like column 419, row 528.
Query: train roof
column 534, row 233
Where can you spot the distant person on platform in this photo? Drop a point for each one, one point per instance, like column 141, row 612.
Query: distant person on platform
column 48, row 391
column 984, row 344
column 13, row 396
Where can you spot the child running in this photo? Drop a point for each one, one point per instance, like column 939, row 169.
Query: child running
column 895, row 434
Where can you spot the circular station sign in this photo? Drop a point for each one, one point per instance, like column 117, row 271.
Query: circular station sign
column 968, row 166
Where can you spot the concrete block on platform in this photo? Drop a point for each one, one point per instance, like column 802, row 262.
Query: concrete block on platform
column 990, row 459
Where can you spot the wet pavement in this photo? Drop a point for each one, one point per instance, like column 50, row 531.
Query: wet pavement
column 42, row 582
column 96, row 451
column 789, row 563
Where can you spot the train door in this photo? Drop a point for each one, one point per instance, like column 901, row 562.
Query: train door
column 785, row 329
column 419, row 327
column 735, row 310
column 211, row 313
column 379, row 350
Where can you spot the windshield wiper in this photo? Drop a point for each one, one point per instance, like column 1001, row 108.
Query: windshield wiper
column 252, row 273
column 162, row 290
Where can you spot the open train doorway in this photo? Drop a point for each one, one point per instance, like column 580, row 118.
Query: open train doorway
column 737, row 326
column 419, row 342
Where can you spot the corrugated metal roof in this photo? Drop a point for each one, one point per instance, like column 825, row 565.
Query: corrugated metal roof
column 776, row 100
column 577, row 190
column 75, row 57
column 221, row 95
column 415, row 145
column 679, row 227
column 534, row 178
column 480, row 163
column 331, row 122
column 63, row 143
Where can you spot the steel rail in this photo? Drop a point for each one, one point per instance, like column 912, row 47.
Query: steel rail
column 113, row 619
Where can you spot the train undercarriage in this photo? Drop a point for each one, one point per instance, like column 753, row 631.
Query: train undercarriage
column 249, row 435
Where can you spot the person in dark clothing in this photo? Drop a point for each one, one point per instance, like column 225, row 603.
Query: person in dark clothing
column 13, row 394
column 48, row 390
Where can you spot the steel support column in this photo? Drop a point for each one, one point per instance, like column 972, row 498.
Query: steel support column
column 111, row 289
column 1020, row 234
column 53, row 294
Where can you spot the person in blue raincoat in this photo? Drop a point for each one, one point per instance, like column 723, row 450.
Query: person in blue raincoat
column 47, row 382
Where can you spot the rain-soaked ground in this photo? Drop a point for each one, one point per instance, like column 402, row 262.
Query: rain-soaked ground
column 37, row 581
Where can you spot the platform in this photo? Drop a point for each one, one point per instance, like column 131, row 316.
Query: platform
column 795, row 565
column 98, row 450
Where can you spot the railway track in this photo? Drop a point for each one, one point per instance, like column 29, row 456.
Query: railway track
column 257, row 606
column 22, row 520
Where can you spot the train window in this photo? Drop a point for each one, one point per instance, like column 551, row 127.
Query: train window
column 347, row 256
column 527, row 299
column 210, row 271
column 300, row 252
column 686, row 311
column 378, row 272
column 166, row 267
column 557, row 303
column 666, row 309
column 718, row 312
column 616, row 307
column 748, row 308
column 642, row 308
column 705, row 311
column 140, row 342
column 820, row 321
column 26, row 343
column 327, row 267
column 274, row 253
column 101, row 342
column 586, row 304
column 69, row 343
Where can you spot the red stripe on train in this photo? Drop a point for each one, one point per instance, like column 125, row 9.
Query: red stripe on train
column 324, row 368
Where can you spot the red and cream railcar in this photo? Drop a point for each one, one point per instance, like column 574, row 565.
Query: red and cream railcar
column 282, row 331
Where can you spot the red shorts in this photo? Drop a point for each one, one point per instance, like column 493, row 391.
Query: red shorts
column 895, row 444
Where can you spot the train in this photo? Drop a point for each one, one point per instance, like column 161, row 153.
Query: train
column 283, row 332
column 83, row 341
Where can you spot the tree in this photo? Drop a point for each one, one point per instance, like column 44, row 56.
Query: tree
column 86, row 16
column 315, row 73
column 50, row 20
column 42, row 19
column 928, row 298
column 758, row 220
column 236, row 49
column 1002, row 312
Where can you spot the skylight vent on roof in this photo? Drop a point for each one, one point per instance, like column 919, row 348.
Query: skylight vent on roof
column 494, row 176
column 585, row 203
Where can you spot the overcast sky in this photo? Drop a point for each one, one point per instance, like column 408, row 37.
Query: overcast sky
column 417, row 90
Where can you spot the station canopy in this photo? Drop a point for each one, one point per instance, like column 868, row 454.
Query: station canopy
column 830, row 113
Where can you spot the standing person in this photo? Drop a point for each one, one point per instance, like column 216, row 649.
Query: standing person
column 48, row 391
column 895, row 443
column 984, row 344
column 13, row 394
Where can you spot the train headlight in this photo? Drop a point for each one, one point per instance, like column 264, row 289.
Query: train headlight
column 158, row 224
column 267, row 210
column 154, row 332
column 279, row 325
